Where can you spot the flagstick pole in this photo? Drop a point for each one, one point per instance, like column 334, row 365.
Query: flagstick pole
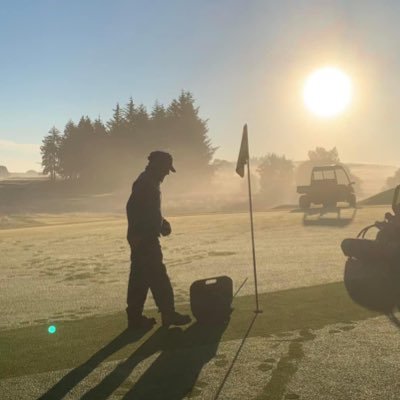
column 252, row 237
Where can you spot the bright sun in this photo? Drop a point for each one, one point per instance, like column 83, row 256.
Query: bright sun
column 327, row 92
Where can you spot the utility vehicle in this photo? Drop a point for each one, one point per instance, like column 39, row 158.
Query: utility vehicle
column 329, row 185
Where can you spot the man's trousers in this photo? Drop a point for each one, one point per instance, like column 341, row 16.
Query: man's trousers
column 148, row 272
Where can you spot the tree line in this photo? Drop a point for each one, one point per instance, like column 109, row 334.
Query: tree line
column 107, row 154
column 111, row 152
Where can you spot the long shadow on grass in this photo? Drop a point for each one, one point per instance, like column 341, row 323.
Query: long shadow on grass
column 394, row 319
column 221, row 386
column 174, row 373
column 74, row 377
column 338, row 222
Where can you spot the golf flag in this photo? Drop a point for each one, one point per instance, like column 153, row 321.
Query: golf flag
column 243, row 158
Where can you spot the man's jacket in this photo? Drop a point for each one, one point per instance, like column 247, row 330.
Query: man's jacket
column 144, row 208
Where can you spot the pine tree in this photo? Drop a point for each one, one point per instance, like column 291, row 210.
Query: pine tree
column 99, row 128
column 102, row 165
column 130, row 112
column 116, row 124
column 69, row 165
column 85, row 153
column 142, row 118
column 135, row 135
column 157, row 138
column 50, row 151
column 91, row 150
column 186, row 137
column 158, row 114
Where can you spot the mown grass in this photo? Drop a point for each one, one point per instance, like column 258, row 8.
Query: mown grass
column 33, row 350
column 381, row 198
column 79, row 266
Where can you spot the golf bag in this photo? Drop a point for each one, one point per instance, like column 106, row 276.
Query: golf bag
column 372, row 271
column 372, row 286
column 211, row 299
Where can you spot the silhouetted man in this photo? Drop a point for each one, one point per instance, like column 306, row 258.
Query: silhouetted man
column 145, row 225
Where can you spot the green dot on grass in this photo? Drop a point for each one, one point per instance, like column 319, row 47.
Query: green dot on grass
column 52, row 329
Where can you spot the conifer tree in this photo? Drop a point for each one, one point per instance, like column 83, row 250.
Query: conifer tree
column 158, row 114
column 116, row 124
column 69, row 152
column 50, row 151
column 85, row 153
column 90, row 150
column 187, row 137
column 130, row 112
column 131, row 124
column 102, row 164
column 157, row 127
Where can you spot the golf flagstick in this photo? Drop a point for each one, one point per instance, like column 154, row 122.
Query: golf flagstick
column 243, row 159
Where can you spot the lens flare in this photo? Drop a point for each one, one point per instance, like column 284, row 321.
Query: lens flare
column 52, row 329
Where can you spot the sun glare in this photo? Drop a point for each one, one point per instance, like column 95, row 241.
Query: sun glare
column 327, row 92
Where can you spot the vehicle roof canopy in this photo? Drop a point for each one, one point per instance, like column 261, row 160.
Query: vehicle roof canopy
column 334, row 167
column 328, row 167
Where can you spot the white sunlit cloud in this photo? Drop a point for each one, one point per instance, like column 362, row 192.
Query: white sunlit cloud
column 20, row 157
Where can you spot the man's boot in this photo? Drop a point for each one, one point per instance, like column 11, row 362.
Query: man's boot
column 174, row 318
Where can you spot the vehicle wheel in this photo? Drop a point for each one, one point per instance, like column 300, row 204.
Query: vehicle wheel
column 352, row 201
column 304, row 202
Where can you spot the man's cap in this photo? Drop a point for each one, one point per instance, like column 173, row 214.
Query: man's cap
column 161, row 158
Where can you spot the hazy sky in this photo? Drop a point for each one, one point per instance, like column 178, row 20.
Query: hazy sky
column 244, row 61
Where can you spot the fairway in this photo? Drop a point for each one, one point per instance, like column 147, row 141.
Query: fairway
column 177, row 180
column 58, row 270
column 72, row 270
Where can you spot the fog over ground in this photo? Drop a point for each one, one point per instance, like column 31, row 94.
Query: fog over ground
column 228, row 192
column 225, row 192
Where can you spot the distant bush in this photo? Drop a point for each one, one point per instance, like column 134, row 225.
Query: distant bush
column 393, row 181
column 276, row 178
column 4, row 172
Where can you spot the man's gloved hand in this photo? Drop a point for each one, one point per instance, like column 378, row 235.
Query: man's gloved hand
column 165, row 228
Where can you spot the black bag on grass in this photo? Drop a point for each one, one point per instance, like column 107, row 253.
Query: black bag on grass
column 211, row 299
column 371, row 286
column 372, row 271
